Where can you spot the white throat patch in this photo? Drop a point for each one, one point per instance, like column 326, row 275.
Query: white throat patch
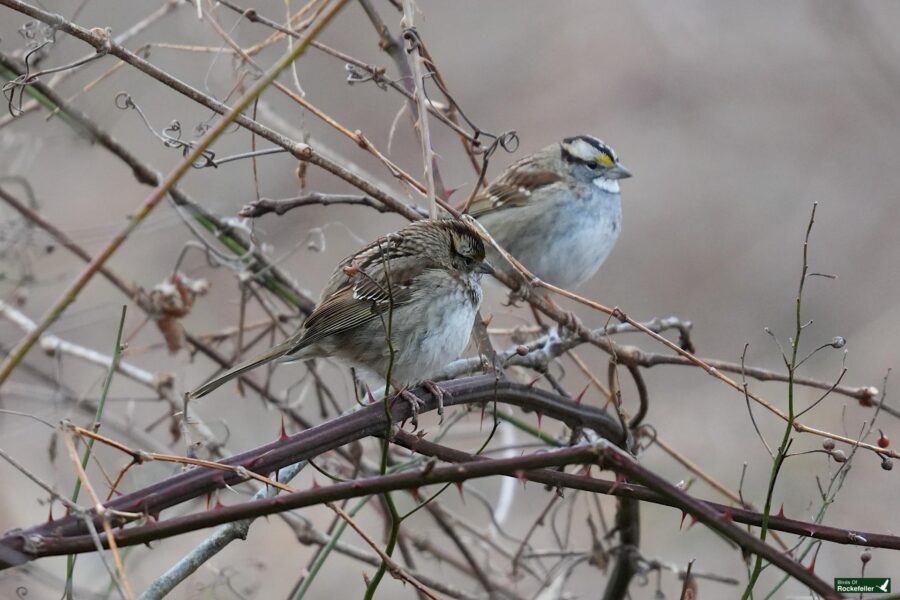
column 607, row 185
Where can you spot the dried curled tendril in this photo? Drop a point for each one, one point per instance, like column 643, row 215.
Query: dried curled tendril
column 38, row 36
column 356, row 74
column 508, row 140
column 171, row 135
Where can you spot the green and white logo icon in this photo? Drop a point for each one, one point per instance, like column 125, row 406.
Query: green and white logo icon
column 863, row 585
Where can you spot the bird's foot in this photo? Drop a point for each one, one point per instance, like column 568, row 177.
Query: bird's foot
column 573, row 323
column 525, row 291
column 415, row 403
column 513, row 299
column 439, row 393
column 570, row 319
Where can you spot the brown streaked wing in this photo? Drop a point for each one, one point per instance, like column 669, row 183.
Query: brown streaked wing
column 354, row 305
column 369, row 258
column 513, row 189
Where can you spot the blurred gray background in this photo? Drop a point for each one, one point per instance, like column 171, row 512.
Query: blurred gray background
column 734, row 117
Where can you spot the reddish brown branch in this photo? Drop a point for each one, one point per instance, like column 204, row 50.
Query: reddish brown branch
column 20, row 546
column 316, row 441
column 39, row 546
column 553, row 478
column 533, row 467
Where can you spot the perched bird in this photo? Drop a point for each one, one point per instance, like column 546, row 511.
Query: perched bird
column 421, row 284
column 557, row 211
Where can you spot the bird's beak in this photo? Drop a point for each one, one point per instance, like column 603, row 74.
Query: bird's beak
column 617, row 171
column 484, row 267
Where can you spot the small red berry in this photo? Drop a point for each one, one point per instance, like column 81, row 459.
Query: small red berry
column 883, row 440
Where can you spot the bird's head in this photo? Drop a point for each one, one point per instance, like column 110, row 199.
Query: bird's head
column 462, row 247
column 590, row 159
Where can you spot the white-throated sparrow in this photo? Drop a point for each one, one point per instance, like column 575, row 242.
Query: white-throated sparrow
column 558, row 211
column 420, row 283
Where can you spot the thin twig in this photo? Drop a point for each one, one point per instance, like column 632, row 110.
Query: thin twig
column 122, row 580
column 212, row 545
column 264, row 206
column 395, row 569
column 69, row 296
column 52, row 345
column 411, row 35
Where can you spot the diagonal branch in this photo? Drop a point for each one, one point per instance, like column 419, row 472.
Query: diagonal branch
column 154, row 530
column 69, row 296
column 369, row 421
column 299, row 150
column 421, row 114
column 603, row 453
column 44, row 539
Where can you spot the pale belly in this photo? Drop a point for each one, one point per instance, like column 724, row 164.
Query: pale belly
column 561, row 246
column 441, row 338
column 427, row 334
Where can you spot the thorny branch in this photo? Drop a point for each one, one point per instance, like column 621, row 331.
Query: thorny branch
column 268, row 458
column 608, row 458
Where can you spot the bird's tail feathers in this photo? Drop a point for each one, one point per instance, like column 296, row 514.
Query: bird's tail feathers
column 238, row 370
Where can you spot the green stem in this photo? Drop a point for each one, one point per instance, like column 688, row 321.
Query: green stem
column 307, row 581
column 393, row 513
column 326, row 551
column 266, row 279
column 69, row 296
column 89, row 443
column 786, row 439
column 41, row 99
column 235, row 245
